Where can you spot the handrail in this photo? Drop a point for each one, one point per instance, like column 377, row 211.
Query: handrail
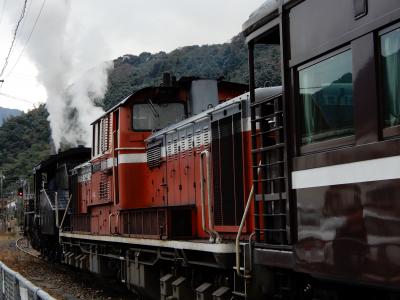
column 113, row 168
column 22, row 281
column 48, row 199
column 109, row 220
column 203, row 201
column 117, row 223
column 237, row 242
column 56, row 206
column 218, row 238
column 65, row 212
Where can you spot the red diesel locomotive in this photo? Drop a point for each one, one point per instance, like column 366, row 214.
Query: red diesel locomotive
column 152, row 184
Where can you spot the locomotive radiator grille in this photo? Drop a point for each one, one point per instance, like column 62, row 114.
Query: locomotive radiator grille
column 227, row 157
column 105, row 188
column 105, row 128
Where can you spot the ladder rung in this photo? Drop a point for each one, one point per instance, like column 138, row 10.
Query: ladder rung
column 266, row 100
column 269, row 164
column 271, row 215
column 239, row 294
column 267, row 131
column 267, row 116
column 271, row 230
column 271, row 197
column 282, row 246
column 277, row 146
column 269, row 179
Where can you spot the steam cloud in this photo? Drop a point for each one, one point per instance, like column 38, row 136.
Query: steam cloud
column 64, row 56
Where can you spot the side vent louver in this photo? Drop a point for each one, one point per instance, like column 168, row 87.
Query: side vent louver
column 154, row 153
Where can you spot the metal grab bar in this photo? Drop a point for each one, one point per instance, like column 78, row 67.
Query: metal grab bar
column 214, row 233
column 56, row 207
column 203, row 201
column 65, row 212
column 48, row 198
column 237, row 242
column 109, row 221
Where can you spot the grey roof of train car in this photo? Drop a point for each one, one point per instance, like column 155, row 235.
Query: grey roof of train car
column 263, row 11
column 260, row 93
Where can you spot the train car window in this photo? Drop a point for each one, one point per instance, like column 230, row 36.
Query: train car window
column 390, row 75
column 152, row 116
column 326, row 99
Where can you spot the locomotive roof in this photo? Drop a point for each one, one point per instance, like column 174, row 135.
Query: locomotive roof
column 260, row 93
column 54, row 158
column 182, row 82
column 262, row 15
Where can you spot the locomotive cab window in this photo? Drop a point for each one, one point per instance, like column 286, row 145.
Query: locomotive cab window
column 153, row 116
column 390, row 75
column 326, row 99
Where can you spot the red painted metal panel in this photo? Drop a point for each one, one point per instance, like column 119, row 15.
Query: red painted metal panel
column 173, row 165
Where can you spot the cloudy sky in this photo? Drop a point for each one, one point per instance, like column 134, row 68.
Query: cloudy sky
column 94, row 31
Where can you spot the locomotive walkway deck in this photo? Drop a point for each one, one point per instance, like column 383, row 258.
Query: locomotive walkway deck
column 196, row 245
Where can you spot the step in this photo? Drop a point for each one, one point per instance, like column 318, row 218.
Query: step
column 239, row 294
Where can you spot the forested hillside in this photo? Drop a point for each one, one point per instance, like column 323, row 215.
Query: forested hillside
column 227, row 60
column 24, row 140
column 5, row 113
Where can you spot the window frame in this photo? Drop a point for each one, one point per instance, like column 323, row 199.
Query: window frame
column 329, row 144
column 156, row 102
column 390, row 131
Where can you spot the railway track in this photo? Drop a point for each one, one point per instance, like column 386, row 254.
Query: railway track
column 60, row 280
column 21, row 248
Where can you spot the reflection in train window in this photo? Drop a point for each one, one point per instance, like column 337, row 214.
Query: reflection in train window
column 326, row 94
column 153, row 116
column 390, row 71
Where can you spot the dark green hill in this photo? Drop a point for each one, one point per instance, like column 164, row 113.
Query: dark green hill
column 5, row 113
column 24, row 141
column 227, row 60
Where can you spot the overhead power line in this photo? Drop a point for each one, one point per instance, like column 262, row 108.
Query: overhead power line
column 27, row 41
column 16, row 98
column 14, row 37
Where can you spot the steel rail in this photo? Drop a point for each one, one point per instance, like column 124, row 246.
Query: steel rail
column 23, row 250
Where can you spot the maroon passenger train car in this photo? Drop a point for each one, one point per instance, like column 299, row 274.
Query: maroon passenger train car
column 340, row 117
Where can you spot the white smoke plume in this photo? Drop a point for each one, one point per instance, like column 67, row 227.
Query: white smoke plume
column 64, row 56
